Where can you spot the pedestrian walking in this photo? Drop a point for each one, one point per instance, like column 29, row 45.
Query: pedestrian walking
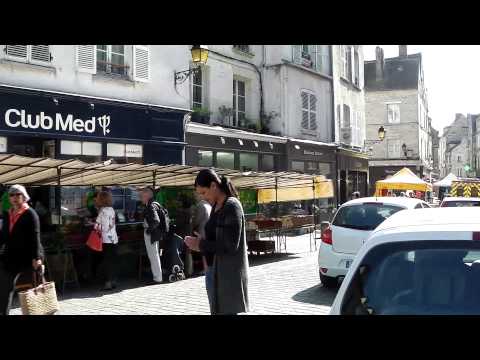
column 105, row 225
column 224, row 243
column 23, row 251
column 154, row 232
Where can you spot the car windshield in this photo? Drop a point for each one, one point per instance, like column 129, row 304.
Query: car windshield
column 364, row 216
column 423, row 279
column 460, row 203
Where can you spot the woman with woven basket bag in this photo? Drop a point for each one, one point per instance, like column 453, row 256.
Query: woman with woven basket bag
column 21, row 239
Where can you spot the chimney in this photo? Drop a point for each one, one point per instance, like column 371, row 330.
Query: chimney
column 402, row 50
column 379, row 63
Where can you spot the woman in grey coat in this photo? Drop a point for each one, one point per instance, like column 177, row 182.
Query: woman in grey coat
column 224, row 245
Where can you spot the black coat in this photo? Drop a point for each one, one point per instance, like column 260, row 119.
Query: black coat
column 23, row 244
column 153, row 221
column 230, row 266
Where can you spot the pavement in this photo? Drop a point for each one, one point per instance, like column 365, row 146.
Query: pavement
column 279, row 284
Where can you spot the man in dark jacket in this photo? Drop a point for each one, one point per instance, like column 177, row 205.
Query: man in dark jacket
column 153, row 233
column 22, row 247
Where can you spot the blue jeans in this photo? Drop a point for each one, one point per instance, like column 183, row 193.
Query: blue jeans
column 209, row 285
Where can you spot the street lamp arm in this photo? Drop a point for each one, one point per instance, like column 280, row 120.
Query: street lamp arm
column 182, row 76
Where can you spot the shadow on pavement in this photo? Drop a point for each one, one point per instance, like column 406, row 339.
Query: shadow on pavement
column 256, row 260
column 316, row 295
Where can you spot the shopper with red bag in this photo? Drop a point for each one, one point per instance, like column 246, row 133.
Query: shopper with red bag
column 105, row 228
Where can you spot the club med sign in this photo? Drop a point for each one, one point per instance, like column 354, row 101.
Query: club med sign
column 20, row 118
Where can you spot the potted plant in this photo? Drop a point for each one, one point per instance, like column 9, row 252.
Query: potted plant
column 201, row 115
column 226, row 114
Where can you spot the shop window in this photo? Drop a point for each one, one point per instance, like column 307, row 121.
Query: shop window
column 298, row 166
column 3, row 144
column 248, row 162
column 81, row 148
column 324, row 169
column 125, row 153
column 111, row 59
column 205, row 158
column 268, row 163
column 312, row 166
column 225, row 160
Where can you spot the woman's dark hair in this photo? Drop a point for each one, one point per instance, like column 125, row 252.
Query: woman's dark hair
column 205, row 178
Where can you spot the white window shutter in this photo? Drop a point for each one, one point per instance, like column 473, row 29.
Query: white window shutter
column 40, row 53
column 17, row 52
column 313, row 112
column 86, row 58
column 141, row 63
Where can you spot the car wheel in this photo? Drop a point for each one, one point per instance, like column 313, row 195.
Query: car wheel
column 328, row 282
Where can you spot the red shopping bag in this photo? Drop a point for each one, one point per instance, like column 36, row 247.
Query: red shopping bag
column 94, row 241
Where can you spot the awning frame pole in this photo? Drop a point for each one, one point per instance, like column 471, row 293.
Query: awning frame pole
column 276, row 196
column 154, row 179
column 59, row 193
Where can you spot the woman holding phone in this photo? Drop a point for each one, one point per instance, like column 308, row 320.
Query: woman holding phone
column 224, row 245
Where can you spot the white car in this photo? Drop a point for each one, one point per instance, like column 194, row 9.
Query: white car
column 418, row 262
column 460, row 202
column 352, row 224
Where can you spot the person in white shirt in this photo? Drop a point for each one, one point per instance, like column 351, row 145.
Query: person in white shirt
column 105, row 224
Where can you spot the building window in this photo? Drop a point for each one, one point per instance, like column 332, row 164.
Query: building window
column 242, row 48
column 346, row 116
column 393, row 149
column 459, row 159
column 248, row 162
column 312, row 166
column 393, row 113
column 29, row 53
column 356, row 79
column 111, row 59
column 225, row 160
column 205, row 158
column 343, row 55
column 238, row 102
column 309, row 111
column 349, row 63
column 298, row 166
column 268, row 163
column 197, row 89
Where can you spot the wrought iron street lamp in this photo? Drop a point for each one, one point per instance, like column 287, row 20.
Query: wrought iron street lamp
column 381, row 133
column 199, row 57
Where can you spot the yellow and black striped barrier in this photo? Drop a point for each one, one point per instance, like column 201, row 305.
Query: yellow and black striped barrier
column 465, row 188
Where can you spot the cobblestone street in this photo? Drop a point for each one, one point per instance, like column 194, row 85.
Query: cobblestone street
column 278, row 284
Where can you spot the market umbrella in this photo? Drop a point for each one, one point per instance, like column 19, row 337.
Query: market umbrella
column 446, row 181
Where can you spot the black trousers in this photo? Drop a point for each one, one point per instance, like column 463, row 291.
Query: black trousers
column 8, row 279
column 110, row 261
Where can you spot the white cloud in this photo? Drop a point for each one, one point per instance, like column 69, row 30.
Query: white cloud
column 452, row 75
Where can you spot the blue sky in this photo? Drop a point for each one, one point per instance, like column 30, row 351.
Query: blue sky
column 452, row 78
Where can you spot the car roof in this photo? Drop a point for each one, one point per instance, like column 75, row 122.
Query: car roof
column 459, row 198
column 442, row 218
column 389, row 200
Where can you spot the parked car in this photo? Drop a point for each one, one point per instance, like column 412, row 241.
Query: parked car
column 460, row 202
column 352, row 224
column 418, row 262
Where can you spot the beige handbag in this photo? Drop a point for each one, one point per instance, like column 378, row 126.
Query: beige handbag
column 41, row 300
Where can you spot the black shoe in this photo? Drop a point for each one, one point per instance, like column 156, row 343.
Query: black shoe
column 152, row 282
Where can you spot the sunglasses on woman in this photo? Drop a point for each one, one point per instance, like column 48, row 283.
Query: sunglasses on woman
column 15, row 195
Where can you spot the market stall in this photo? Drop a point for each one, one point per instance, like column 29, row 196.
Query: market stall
column 71, row 183
column 403, row 180
column 444, row 185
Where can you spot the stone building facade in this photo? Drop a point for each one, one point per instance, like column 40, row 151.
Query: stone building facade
column 396, row 99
